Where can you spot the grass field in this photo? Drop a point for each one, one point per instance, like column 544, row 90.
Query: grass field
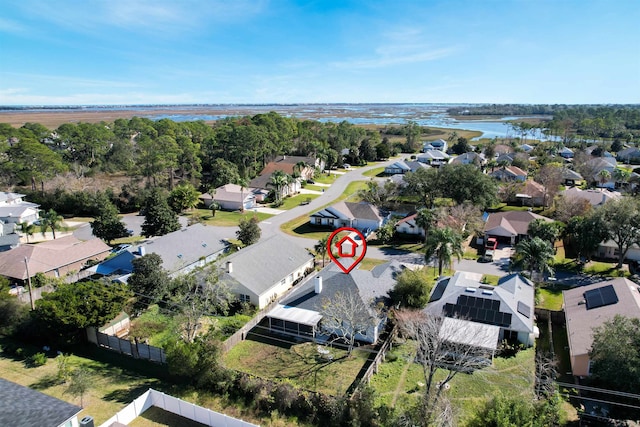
column 300, row 364
column 397, row 382
column 292, row 202
column 370, row 263
column 225, row 218
column 375, row 172
column 300, row 226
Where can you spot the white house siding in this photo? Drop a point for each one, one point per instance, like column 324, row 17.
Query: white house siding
column 611, row 252
column 363, row 224
column 281, row 287
column 407, row 229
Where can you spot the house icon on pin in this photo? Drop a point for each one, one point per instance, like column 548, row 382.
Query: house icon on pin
column 347, row 244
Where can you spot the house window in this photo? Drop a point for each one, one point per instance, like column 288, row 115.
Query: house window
column 283, row 281
column 244, row 298
column 330, row 221
column 291, row 277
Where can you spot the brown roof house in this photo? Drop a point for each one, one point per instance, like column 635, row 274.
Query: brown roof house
column 509, row 173
column 289, row 165
column 595, row 197
column 54, row 258
column 513, row 225
column 361, row 215
column 532, row 193
column 590, row 306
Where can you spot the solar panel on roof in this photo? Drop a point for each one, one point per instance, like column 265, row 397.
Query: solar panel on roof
column 524, row 309
column 439, row 290
column 602, row 296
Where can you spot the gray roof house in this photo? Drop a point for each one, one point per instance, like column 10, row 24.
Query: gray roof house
column 595, row 197
column 590, row 306
column 438, row 144
column 629, row 154
column 508, row 305
column 402, row 167
column 571, row 178
column 181, row 251
column 23, row 407
column 469, row 158
column 361, row 215
column 433, row 157
column 262, row 272
column 9, row 239
column 300, row 312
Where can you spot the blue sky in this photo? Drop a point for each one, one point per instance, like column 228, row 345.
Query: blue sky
column 66, row 52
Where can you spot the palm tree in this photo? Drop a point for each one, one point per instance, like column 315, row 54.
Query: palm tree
column 621, row 175
column 321, row 248
column 536, row 255
column 27, row 229
column 444, row 243
column 52, row 220
column 604, row 176
column 242, row 182
column 278, row 181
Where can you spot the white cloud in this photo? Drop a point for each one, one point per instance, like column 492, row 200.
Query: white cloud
column 9, row 26
column 387, row 57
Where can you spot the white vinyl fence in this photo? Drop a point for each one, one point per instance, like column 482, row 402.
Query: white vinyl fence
column 177, row 406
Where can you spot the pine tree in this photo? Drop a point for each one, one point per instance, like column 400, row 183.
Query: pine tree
column 159, row 218
column 107, row 224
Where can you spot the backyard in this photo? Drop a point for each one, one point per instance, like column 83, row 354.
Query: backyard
column 399, row 382
column 306, row 365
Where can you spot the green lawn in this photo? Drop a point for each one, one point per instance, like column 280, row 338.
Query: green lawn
column 375, row 172
column 301, row 226
column 292, row 202
column 550, row 297
column 225, row 218
column 301, row 364
column 315, row 187
column 370, row 263
column 111, row 389
column 490, row 279
column 398, row 382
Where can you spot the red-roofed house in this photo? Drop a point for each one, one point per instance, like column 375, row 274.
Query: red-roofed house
column 512, row 226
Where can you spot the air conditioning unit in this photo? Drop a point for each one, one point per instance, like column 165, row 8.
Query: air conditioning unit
column 86, row 421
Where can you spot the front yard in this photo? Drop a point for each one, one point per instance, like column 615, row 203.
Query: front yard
column 399, row 382
column 301, row 364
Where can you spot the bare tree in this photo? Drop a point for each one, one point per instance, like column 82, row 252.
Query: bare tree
column 195, row 298
column 345, row 315
column 569, row 207
column 550, row 176
column 444, row 343
column 546, row 373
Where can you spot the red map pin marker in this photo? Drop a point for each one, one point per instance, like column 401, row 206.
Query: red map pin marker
column 350, row 251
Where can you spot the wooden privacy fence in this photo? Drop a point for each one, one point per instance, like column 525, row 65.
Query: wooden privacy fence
column 122, row 346
column 241, row 333
column 378, row 360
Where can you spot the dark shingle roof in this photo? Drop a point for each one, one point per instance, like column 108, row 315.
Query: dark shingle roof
column 23, row 407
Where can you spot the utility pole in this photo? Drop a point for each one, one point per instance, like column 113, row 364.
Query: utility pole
column 26, row 264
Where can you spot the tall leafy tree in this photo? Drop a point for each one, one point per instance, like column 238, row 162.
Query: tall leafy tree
column 74, row 306
column 444, row 244
column 585, row 233
column 412, row 289
column 248, row 231
column 546, row 230
column 620, row 220
column 149, row 281
column 463, row 183
column 615, row 354
column 159, row 218
column 107, row 224
column 424, row 184
column 426, row 219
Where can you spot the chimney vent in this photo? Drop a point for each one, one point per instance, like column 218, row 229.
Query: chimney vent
column 142, row 250
column 318, row 284
column 229, row 267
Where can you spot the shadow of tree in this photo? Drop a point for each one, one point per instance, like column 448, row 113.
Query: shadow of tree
column 127, row 395
column 46, row 382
